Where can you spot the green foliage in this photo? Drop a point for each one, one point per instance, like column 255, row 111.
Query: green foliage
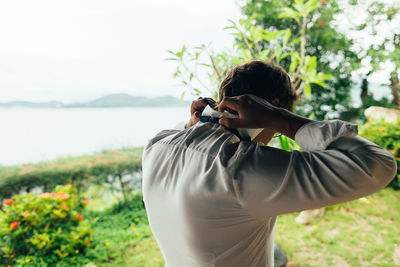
column 347, row 235
column 331, row 48
column 116, row 230
column 288, row 144
column 386, row 135
column 108, row 167
column 44, row 229
column 384, row 52
column 381, row 15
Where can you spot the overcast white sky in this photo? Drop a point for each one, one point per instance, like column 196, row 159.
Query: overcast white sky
column 78, row 50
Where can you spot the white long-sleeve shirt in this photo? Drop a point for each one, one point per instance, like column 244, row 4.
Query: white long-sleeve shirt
column 212, row 200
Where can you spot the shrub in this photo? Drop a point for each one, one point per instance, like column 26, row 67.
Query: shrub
column 108, row 167
column 117, row 230
column 386, row 135
column 44, row 229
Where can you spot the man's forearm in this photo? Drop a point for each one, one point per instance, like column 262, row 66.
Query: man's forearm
column 290, row 123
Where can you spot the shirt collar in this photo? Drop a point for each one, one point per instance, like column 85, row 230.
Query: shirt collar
column 243, row 132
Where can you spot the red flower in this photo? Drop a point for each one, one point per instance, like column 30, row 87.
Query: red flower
column 391, row 151
column 88, row 243
column 87, row 201
column 8, row 201
column 321, row 23
column 79, row 217
column 61, row 196
column 323, row 2
column 14, row 225
column 64, row 206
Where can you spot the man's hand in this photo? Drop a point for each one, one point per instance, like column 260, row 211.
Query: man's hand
column 255, row 112
column 197, row 108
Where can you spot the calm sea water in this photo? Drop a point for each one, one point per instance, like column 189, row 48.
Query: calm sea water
column 33, row 135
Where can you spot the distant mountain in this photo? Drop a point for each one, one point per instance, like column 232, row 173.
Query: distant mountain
column 107, row 101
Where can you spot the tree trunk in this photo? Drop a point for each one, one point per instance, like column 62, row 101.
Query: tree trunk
column 394, row 78
column 364, row 92
column 121, row 183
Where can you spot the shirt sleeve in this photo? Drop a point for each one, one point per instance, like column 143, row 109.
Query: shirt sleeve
column 335, row 166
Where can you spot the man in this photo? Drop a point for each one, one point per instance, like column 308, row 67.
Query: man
column 212, row 191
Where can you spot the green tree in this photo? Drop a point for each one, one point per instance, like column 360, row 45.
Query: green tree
column 381, row 16
column 330, row 47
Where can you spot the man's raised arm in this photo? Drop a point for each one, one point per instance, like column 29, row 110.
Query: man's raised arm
column 335, row 166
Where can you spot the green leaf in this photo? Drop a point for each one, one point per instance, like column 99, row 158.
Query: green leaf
column 230, row 27
column 310, row 6
column 284, row 143
column 246, row 54
column 201, row 47
column 176, row 73
column 285, row 55
column 191, row 76
column 286, row 36
column 264, row 54
column 198, row 92
column 295, row 59
column 311, row 64
column 299, row 6
column 307, row 90
column 323, row 76
column 295, row 41
column 182, row 95
column 289, row 13
column 181, row 53
column 278, row 52
column 269, row 36
column 320, row 83
column 215, row 95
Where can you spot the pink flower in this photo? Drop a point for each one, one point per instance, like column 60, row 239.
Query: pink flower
column 64, row 206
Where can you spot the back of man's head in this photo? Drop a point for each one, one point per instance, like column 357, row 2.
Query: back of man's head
column 262, row 79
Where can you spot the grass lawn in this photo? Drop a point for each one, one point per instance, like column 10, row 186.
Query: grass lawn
column 364, row 232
